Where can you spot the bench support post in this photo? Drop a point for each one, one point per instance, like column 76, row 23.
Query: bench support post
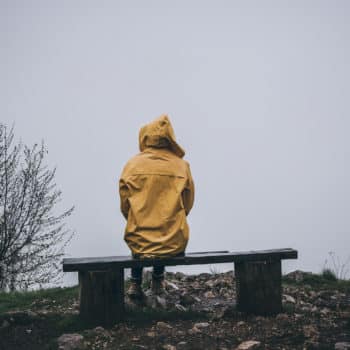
column 101, row 295
column 258, row 287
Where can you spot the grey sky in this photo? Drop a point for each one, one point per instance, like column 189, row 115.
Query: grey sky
column 258, row 93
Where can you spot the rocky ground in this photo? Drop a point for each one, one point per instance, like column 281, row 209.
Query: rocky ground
column 196, row 313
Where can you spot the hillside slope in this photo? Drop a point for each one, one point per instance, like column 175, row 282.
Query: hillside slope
column 197, row 313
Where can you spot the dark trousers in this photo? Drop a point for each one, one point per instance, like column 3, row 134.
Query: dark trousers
column 158, row 271
column 136, row 273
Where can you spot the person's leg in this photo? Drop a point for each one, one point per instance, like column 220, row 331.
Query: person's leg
column 136, row 275
column 158, row 272
column 135, row 290
column 158, row 284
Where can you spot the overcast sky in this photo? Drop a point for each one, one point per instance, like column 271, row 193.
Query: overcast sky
column 257, row 91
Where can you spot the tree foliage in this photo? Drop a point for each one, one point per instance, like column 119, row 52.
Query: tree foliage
column 32, row 237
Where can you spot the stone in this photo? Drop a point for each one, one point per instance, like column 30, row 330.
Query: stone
column 298, row 276
column 325, row 311
column 201, row 325
column 151, row 334
column 282, row 317
column 289, row 299
column 163, row 325
column 99, row 329
column 194, row 330
column 209, row 283
column 209, row 294
column 5, row 324
column 32, row 314
column 310, row 331
column 169, row 347
column 342, row 346
column 260, row 319
column 161, row 302
column 72, row 341
column 311, row 345
column 179, row 275
column 170, row 285
column 249, row 345
column 180, row 307
column 187, row 299
column 181, row 345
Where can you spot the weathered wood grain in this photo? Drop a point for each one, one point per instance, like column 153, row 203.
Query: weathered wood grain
column 116, row 262
column 101, row 296
column 258, row 287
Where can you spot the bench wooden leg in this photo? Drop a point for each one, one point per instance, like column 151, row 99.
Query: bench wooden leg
column 101, row 296
column 258, row 286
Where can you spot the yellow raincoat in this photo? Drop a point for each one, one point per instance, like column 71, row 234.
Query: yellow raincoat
column 156, row 193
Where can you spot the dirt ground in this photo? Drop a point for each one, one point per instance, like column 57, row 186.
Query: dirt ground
column 198, row 312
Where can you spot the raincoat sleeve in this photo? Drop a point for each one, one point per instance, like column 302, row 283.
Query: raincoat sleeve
column 124, row 194
column 188, row 192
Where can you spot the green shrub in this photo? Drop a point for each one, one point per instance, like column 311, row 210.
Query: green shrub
column 329, row 275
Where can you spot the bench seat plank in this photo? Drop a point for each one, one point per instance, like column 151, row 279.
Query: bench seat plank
column 117, row 262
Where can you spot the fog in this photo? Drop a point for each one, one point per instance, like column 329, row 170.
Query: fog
column 258, row 94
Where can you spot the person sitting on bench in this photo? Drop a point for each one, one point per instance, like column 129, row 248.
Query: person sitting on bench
column 156, row 194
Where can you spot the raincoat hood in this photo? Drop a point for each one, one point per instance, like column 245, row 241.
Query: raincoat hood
column 160, row 134
column 157, row 193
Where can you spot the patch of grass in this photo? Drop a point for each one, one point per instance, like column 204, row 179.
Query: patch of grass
column 318, row 281
column 68, row 323
column 329, row 275
column 22, row 300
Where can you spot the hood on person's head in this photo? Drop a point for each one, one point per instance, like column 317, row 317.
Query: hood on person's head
column 160, row 134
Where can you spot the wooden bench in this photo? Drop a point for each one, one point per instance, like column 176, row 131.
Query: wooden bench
column 101, row 280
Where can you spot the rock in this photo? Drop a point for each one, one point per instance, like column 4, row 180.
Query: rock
column 179, row 275
column 147, row 276
column 5, row 324
column 282, row 317
column 209, row 283
column 314, row 310
column 194, row 330
column 181, row 345
column 249, row 345
column 325, row 311
column 289, row 299
column 163, row 325
column 99, row 329
column 209, row 294
column 169, row 347
column 201, row 325
column 180, row 307
column 311, row 345
column 240, row 324
column 170, row 285
column 32, row 314
column 298, row 276
column 151, row 334
column 187, row 299
column 260, row 319
column 342, row 346
column 72, row 341
column 28, row 331
column 310, row 331
column 161, row 301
